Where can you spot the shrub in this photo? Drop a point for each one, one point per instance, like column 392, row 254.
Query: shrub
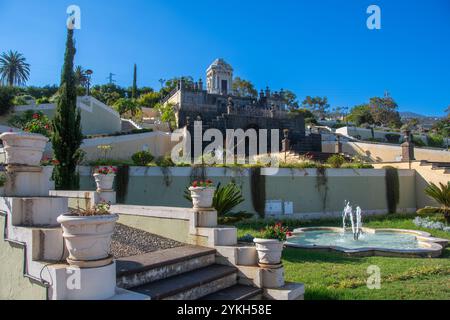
column 336, row 161
column 40, row 124
column 392, row 188
column 441, row 194
column 6, row 99
column 43, row 100
column 227, row 198
column 435, row 140
column 357, row 166
column 2, row 179
column 165, row 162
column 142, row 158
column 418, row 141
column 392, row 138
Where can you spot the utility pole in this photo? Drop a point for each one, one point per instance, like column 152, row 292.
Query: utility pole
column 162, row 81
column 110, row 78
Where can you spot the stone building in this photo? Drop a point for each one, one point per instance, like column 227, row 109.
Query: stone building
column 219, row 107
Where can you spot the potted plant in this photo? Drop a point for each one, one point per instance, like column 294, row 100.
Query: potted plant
column 23, row 148
column 202, row 194
column 88, row 234
column 104, row 177
column 270, row 245
column 2, row 183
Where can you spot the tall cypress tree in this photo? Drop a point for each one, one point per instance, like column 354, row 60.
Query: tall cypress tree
column 134, row 88
column 67, row 135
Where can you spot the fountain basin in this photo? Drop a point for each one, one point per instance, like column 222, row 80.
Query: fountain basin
column 373, row 242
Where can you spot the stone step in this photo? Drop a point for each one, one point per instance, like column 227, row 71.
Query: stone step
column 191, row 285
column 150, row 267
column 236, row 293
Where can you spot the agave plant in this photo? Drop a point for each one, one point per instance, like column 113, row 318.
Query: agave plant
column 441, row 194
column 225, row 198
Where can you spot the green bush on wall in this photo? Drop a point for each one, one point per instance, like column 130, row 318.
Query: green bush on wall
column 258, row 188
column 392, row 188
column 142, row 158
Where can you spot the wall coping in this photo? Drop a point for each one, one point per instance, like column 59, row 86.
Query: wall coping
column 154, row 212
column 231, row 172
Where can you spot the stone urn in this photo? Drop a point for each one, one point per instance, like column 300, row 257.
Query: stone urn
column 88, row 238
column 23, row 148
column 104, row 182
column 202, row 197
column 269, row 251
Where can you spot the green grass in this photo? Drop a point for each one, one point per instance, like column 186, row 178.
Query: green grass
column 329, row 275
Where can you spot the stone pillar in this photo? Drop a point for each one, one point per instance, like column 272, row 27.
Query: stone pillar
column 338, row 145
column 286, row 143
column 408, row 148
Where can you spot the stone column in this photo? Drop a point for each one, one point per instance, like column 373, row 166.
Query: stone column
column 408, row 148
column 338, row 145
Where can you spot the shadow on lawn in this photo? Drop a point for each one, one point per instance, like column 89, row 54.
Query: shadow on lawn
column 295, row 255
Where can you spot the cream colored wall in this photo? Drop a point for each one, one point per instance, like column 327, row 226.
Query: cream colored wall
column 123, row 147
column 376, row 152
column 365, row 187
column 424, row 176
column 170, row 228
column 13, row 284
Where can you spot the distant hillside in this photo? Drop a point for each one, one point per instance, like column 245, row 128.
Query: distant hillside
column 410, row 115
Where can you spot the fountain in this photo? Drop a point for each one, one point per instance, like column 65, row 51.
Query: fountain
column 353, row 239
column 356, row 225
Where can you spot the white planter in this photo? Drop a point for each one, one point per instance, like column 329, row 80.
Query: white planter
column 23, row 148
column 202, row 198
column 269, row 251
column 104, row 182
column 88, row 238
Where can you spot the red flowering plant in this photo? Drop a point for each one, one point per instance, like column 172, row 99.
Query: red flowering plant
column 39, row 123
column 276, row 232
column 106, row 170
column 47, row 161
column 202, row 184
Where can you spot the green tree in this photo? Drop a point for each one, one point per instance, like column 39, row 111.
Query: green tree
column 14, row 70
column 149, row 100
column 172, row 84
column 291, row 99
column 108, row 93
column 6, row 99
column 243, row 88
column 124, row 105
column 67, row 136
column 317, row 105
column 134, row 88
column 167, row 113
column 360, row 115
column 384, row 112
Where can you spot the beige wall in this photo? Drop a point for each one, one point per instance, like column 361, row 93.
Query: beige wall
column 123, row 147
column 376, row 152
column 13, row 284
column 171, row 228
column 366, row 188
column 96, row 117
column 424, row 176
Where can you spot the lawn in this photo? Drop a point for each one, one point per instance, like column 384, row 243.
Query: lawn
column 329, row 275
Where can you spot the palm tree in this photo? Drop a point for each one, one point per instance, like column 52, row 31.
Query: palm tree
column 14, row 70
column 80, row 76
column 441, row 194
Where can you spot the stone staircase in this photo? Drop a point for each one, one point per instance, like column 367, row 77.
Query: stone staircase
column 183, row 273
column 443, row 166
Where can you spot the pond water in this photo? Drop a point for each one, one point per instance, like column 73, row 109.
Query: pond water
column 386, row 240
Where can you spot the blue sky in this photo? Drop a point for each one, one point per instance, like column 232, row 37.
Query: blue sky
column 310, row 47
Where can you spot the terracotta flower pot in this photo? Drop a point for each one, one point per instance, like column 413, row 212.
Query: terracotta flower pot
column 202, row 197
column 104, row 181
column 88, row 238
column 269, row 251
column 23, row 148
